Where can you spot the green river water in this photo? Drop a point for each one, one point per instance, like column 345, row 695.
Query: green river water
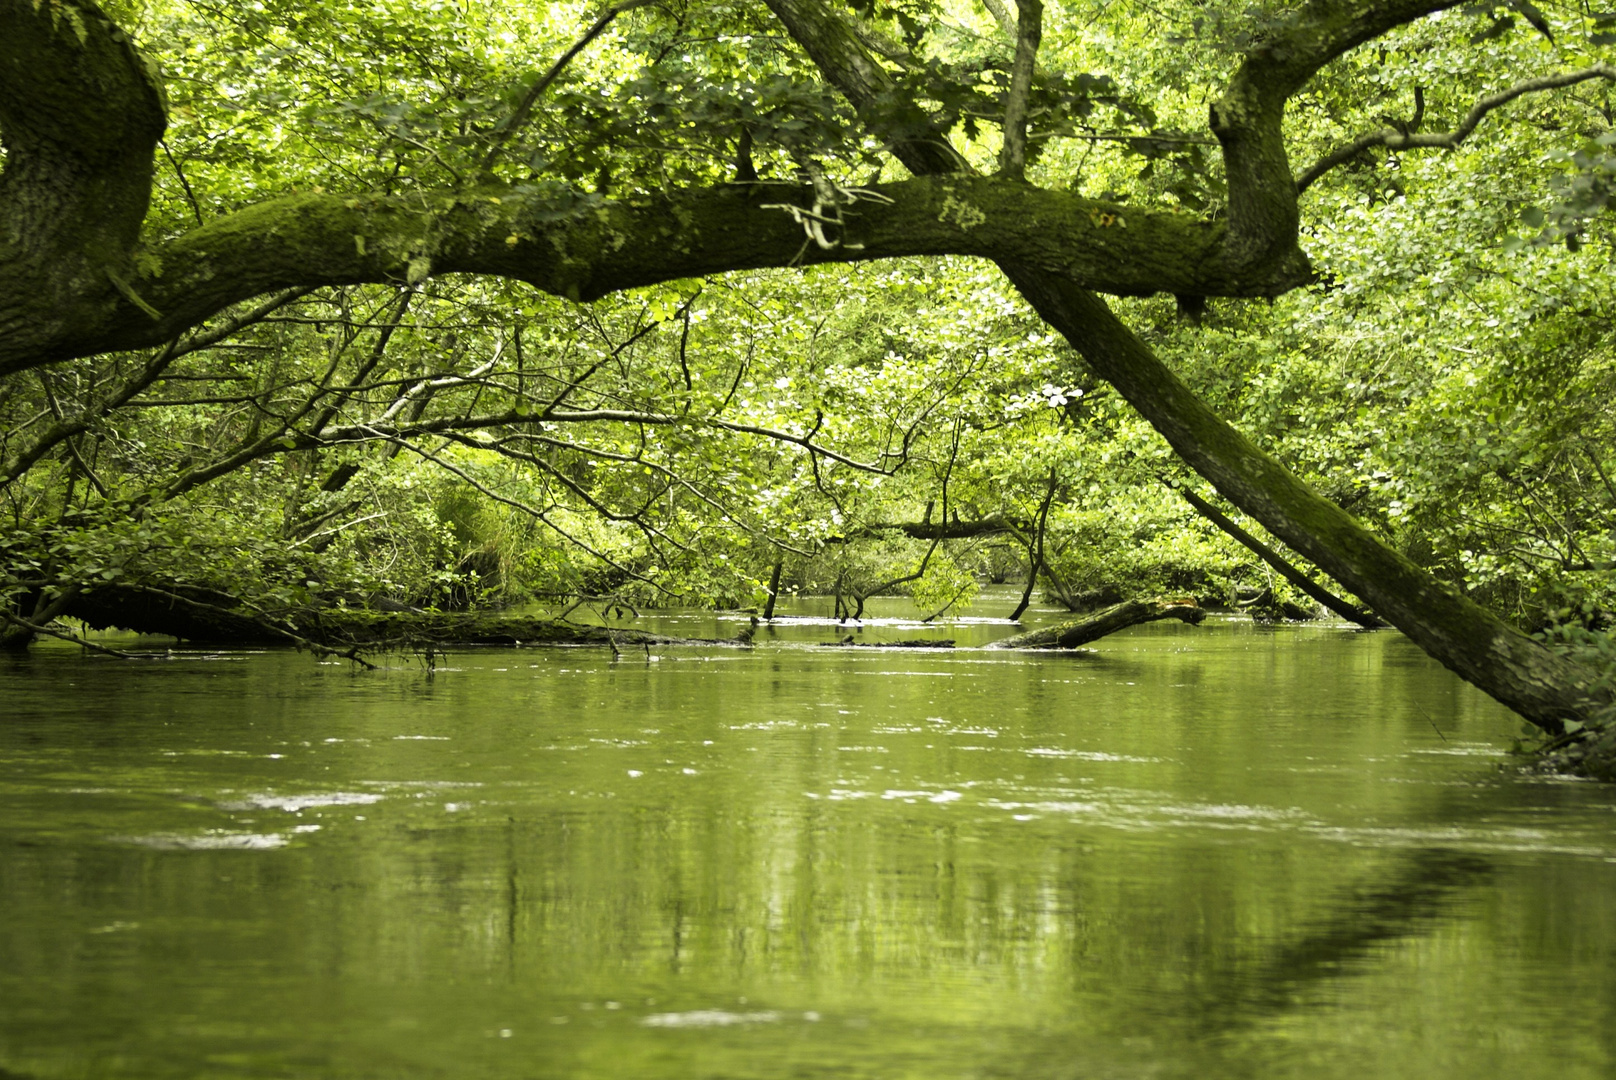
column 1222, row 851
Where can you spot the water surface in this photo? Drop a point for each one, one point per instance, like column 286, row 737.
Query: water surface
column 1221, row 851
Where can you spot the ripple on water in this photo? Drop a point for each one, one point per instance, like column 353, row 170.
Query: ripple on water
column 297, row 803
column 212, row 840
column 1088, row 755
column 706, row 1018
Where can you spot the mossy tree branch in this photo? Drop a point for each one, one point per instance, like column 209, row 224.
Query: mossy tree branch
column 592, row 250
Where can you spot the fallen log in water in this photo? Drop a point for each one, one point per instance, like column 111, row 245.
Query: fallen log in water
column 399, row 629
column 1069, row 635
column 911, row 643
column 200, row 615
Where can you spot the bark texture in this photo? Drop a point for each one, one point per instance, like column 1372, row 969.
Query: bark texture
column 59, row 310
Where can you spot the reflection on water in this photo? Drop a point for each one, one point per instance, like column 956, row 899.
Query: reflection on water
column 1401, row 900
column 1191, row 852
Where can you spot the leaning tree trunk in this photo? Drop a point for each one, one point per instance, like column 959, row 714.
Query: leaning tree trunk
column 1261, row 244
column 1481, row 648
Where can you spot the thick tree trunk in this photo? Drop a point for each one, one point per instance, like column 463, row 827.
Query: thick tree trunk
column 1070, row 635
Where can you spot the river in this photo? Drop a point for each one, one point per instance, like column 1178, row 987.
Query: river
column 1223, row 851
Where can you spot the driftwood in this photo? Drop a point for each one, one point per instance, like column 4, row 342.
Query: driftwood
column 1070, row 635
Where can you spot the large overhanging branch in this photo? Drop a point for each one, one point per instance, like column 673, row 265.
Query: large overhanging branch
column 305, row 240
column 1395, row 139
column 66, row 297
column 1260, row 242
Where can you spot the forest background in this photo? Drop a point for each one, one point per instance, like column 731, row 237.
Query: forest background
column 817, row 419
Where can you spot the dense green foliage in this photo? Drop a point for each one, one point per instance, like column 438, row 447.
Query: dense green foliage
column 452, row 441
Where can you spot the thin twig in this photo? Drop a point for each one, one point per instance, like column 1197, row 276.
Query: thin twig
column 519, row 117
column 190, row 196
column 1434, row 728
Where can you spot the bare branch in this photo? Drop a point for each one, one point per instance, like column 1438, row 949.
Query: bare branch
column 1035, row 549
column 577, row 489
column 33, row 628
column 1290, row 573
column 920, row 571
column 190, row 196
column 534, row 512
column 520, row 115
column 378, row 351
column 642, row 462
column 1394, row 139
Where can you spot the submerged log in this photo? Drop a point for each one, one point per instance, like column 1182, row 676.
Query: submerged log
column 396, row 629
column 182, row 611
column 910, row 643
column 201, row 615
column 206, row 616
column 1070, row 635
